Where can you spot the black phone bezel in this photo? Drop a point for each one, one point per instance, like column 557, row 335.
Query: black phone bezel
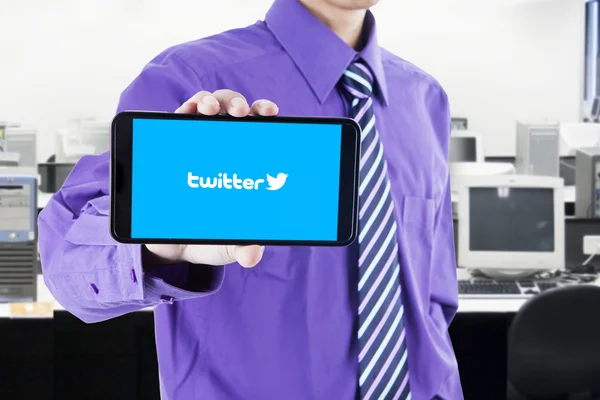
column 121, row 148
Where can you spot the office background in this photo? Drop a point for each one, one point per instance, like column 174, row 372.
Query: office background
column 500, row 60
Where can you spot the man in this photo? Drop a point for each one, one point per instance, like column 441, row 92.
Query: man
column 369, row 321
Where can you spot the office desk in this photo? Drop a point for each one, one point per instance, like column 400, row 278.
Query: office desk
column 63, row 358
column 115, row 356
column 479, row 335
column 118, row 355
column 491, row 305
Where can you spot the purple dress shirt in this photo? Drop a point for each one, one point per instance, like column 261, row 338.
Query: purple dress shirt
column 285, row 330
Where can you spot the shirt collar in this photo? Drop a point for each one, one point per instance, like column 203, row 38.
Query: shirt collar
column 320, row 55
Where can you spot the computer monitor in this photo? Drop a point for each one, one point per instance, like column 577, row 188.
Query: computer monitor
column 22, row 142
column 466, row 146
column 81, row 139
column 96, row 134
column 511, row 225
column 460, row 170
column 579, row 135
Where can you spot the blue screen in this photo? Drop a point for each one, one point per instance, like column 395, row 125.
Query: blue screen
column 235, row 180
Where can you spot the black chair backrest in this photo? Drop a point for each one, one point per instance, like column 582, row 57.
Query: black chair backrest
column 554, row 344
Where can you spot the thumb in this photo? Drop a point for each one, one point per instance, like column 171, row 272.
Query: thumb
column 246, row 256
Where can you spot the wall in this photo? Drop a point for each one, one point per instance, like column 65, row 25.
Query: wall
column 500, row 61
column 63, row 59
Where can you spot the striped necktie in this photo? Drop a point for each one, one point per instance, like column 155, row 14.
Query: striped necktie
column 383, row 367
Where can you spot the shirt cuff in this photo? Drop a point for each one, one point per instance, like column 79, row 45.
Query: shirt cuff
column 176, row 282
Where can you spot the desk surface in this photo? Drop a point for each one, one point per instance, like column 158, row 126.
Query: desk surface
column 568, row 194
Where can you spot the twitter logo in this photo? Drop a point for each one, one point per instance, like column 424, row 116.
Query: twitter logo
column 225, row 180
column 276, row 183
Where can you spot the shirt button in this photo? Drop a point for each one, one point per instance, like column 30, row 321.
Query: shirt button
column 167, row 299
column 133, row 276
column 94, row 288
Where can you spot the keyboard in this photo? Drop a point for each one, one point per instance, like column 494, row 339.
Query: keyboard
column 484, row 287
column 547, row 286
column 503, row 288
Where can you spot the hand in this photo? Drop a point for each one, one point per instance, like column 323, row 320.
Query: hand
column 219, row 102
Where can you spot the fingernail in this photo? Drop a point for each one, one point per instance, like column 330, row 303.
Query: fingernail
column 211, row 101
column 264, row 103
column 238, row 102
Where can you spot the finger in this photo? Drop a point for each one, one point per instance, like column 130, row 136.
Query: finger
column 202, row 102
column 265, row 108
column 248, row 256
column 232, row 103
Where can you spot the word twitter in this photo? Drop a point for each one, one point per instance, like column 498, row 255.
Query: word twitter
column 223, row 181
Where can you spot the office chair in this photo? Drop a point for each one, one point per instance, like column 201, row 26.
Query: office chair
column 554, row 345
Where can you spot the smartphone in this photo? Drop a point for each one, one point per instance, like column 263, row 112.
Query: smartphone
column 193, row 179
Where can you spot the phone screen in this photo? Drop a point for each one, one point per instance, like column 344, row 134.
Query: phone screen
column 235, row 180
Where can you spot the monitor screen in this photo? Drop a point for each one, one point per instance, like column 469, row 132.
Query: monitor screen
column 15, row 208
column 463, row 149
column 239, row 187
column 504, row 219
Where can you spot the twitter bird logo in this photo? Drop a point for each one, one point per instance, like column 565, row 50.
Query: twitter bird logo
column 276, row 183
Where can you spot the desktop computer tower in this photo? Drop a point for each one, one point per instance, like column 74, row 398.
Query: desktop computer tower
column 587, row 183
column 18, row 237
column 537, row 150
